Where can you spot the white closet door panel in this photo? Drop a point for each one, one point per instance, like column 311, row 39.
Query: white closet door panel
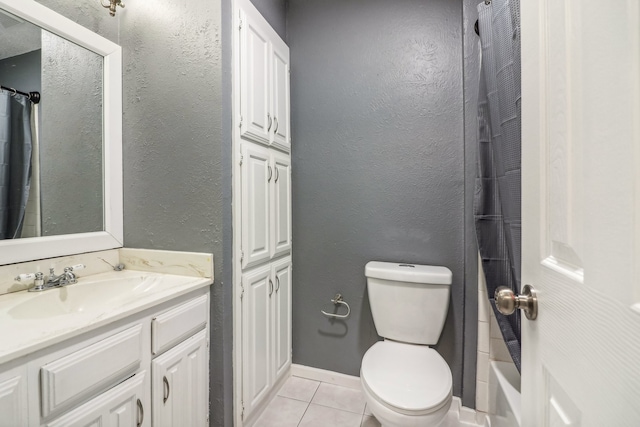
column 122, row 406
column 257, row 120
column 282, row 316
column 256, row 336
column 13, row 398
column 180, row 389
column 257, row 175
column 281, row 205
column 280, row 94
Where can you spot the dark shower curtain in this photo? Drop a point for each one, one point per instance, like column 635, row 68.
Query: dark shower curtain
column 497, row 202
column 15, row 162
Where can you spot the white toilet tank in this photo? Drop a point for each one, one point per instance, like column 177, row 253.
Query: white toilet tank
column 409, row 302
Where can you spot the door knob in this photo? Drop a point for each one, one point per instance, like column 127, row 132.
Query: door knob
column 507, row 302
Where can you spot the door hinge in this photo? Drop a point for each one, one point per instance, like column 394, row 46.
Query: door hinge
column 242, row 414
column 207, row 418
column 241, row 256
column 240, row 26
column 240, row 124
column 242, row 290
column 241, row 159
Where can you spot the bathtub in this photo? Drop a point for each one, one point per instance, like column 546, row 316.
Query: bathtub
column 504, row 395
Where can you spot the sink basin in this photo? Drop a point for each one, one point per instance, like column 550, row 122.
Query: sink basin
column 99, row 294
column 30, row 321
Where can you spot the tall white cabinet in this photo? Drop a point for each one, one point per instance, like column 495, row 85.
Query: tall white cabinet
column 262, row 212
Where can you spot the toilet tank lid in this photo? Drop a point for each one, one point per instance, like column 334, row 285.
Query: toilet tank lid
column 412, row 273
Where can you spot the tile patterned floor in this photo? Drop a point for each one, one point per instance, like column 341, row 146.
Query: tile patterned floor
column 307, row 403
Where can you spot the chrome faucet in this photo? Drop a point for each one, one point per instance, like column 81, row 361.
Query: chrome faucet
column 68, row 277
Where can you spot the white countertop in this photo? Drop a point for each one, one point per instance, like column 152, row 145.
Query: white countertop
column 30, row 321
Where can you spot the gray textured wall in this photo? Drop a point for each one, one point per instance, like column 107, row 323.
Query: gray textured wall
column 71, row 179
column 21, row 72
column 173, row 149
column 379, row 165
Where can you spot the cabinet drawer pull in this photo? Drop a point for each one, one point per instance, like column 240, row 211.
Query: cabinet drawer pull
column 270, row 173
column 276, row 121
column 165, row 390
column 277, row 173
column 270, row 287
column 269, row 118
column 277, row 283
column 140, row 414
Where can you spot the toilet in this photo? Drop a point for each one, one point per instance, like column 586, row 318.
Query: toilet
column 405, row 382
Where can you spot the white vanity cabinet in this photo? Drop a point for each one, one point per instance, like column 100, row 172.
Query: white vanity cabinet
column 13, row 397
column 264, row 82
column 266, row 204
column 121, row 406
column 266, row 329
column 147, row 369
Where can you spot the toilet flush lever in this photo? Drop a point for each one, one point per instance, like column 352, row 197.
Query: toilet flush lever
column 338, row 300
column 507, row 301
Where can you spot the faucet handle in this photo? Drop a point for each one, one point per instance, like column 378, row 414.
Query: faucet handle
column 25, row 276
column 78, row 267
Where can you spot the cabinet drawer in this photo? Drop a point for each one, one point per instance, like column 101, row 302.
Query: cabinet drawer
column 90, row 370
column 179, row 323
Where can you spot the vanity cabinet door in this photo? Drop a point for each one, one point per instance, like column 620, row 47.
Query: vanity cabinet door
column 13, row 398
column 258, row 289
column 281, row 204
column 257, row 120
column 281, row 318
column 125, row 405
column 280, row 94
column 180, row 385
column 257, row 175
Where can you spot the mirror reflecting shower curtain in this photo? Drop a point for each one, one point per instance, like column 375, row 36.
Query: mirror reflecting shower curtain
column 497, row 203
column 15, row 162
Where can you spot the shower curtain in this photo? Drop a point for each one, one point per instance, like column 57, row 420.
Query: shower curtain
column 498, row 193
column 15, row 162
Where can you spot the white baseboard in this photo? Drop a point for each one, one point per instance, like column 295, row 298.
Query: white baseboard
column 325, row 376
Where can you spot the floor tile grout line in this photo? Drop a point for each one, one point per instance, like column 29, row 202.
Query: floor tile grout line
column 308, row 405
column 337, row 409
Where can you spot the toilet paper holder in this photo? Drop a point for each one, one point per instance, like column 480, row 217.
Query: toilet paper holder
column 338, row 300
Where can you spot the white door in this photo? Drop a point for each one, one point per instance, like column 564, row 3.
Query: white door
column 581, row 212
column 180, row 384
column 125, row 405
column 257, row 120
column 258, row 288
column 281, row 204
column 13, row 398
column 280, row 94
column 282, row 316
column 257, row 175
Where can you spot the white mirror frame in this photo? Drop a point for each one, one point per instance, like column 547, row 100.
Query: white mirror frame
column 33, row 248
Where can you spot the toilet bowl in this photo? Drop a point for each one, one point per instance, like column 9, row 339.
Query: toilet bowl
column 406, row 385
column 405, row 382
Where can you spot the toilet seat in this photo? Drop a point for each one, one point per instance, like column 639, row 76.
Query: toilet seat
column 406, row 378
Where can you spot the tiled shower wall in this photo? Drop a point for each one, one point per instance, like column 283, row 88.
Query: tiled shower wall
column 491, row 345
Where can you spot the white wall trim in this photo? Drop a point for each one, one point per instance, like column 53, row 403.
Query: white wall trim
column 325, row 376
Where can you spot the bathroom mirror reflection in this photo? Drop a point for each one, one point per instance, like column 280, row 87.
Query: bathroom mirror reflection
column 51, row 152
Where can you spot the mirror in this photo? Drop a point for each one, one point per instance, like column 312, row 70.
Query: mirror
column 61, row 174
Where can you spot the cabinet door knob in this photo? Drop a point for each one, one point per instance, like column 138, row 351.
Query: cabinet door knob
column 140, row 414
column 277, row 173
column 277, row 283
column 270, row 287
column 166, row 389
column 270, row 173
column 269, row 118
column 276, row 121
